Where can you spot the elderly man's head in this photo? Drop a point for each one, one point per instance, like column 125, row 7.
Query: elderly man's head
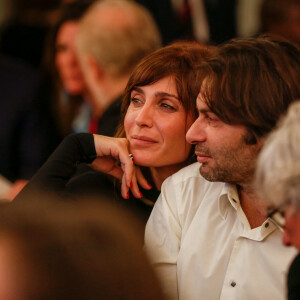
column 117, row 34
column 114, row 35
column 278, row 175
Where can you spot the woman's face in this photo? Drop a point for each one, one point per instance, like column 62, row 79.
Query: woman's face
column 156, row 124
column 66, row 59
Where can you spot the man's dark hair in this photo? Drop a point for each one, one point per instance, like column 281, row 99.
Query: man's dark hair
column 251, row 82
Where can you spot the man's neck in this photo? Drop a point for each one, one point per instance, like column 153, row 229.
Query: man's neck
column 108, row 91
column 253, row 207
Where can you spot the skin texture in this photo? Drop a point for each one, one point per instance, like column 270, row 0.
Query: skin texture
column 155, row 125
column 221, row 148
column 292, row 227
column 66, row 60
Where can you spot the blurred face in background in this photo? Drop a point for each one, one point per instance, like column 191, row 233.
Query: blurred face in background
column 66, row 59
column 291, row 231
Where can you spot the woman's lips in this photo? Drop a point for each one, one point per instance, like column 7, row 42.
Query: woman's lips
column 142, row 140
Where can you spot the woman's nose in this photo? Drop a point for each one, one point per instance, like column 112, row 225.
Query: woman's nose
column 196, row 133
column 145, row 117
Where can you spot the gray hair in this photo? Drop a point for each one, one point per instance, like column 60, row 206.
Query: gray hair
column 278, row 167
column 118, row 34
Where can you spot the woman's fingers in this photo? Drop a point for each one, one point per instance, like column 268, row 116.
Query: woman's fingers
column 141, row 179
column 116, row 148
column 107, row 165
column 124, row 189
column 134, row 186
column 127, row 167
column 111, row 150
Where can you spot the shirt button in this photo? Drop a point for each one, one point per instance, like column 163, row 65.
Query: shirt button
column 233, row 284
column 267, row 225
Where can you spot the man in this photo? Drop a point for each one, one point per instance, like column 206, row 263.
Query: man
column 113, row 37
column 278, row 182
column 208, row 235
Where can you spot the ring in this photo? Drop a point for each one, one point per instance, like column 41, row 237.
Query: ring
column 131, row 156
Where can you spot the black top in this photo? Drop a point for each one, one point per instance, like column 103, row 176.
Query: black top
column 24, row 144
column 294, row 279
column 60, row 175
column 109, row 121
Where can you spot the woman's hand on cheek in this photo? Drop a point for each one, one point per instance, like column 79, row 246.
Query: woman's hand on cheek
column 108, row 166
column 137, row 178
column 113, row 159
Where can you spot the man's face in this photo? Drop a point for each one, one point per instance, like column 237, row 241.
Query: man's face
column 292, row 227
column 221, row 148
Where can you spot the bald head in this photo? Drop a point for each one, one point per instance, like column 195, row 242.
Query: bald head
column 118, row 34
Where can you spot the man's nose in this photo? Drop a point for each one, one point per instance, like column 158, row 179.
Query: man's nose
column 196, row 133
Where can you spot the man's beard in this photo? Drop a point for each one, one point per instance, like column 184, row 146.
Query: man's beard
column 227, row 166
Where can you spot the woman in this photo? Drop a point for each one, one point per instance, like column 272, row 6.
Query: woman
column 158, row 108
column 70, row 112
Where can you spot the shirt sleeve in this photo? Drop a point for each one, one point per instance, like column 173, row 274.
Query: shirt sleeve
column 61, row 165
column 162, row 238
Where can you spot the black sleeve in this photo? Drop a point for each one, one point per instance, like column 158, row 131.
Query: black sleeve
column 61, row 165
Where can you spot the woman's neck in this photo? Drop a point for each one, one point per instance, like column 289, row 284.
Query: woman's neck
column 159, row 174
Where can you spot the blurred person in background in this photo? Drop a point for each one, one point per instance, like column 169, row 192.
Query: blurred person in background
column 278, row 181
column 65, row 88
column 281, row 18
column 34, row 117
column 60, row 251
column 24, row 144
column 113, row 37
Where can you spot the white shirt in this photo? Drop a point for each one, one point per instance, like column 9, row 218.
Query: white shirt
column 201, row 243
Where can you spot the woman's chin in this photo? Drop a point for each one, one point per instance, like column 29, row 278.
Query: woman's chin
column 143, row 161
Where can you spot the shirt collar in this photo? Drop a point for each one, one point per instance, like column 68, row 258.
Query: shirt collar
column 228, row 196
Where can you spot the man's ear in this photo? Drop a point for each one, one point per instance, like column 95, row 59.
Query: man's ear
column 95, row 70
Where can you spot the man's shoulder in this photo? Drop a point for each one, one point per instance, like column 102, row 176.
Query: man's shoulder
column 190, row 171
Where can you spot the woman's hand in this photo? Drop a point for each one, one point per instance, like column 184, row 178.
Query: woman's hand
column 113, row 159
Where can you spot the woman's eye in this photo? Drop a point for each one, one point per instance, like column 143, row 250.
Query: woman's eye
column 135, row 101
column 167, row 106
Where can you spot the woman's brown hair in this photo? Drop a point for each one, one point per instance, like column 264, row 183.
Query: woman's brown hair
column 178, row 60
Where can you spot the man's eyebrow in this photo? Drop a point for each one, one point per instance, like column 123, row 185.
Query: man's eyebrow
column 203, row 110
